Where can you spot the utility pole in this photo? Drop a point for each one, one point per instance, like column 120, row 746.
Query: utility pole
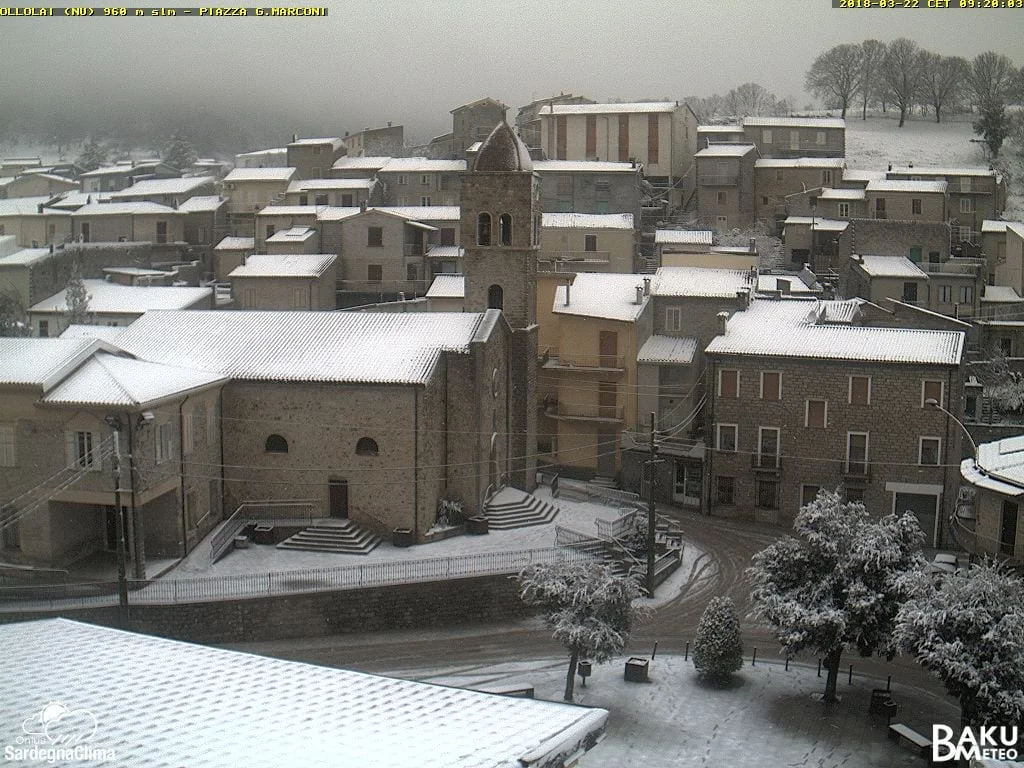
column 650, row 465
column 122, row 580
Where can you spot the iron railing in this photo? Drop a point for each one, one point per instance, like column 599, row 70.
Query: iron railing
column 255, row 512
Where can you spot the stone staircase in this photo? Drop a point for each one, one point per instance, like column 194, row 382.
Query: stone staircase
column 512, row 508
column 339, row 536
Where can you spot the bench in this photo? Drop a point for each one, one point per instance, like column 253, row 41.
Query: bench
column 899, row 731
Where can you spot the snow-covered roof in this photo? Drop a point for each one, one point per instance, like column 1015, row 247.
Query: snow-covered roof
column 357, row 347
column 604, row 295
column 111, row 380
column 445, row 252
column 411, row 212
column 69, row 201
column 24, row 206
column 281, row 152
column 970, row 472
column 26, row 256
column 801, row 162
column 422, row 165
column 447, row 287
column 993, row 225
column 914, row 170
column 129, row 208
column 842, row 194
column 1000, row 294
column 889, row 266
column 295, row 210
column 107, row 333
column 587, row 220
column 201, row 204
column 898, row 185
column 333, row 141
column 700, row 282
column 232, row 243
column 726, row 150
column 43, row 362
column 292, row 235
column 607, row 109
column 795, row 122
column 819, row 223
column 366, row 163
column 1001, row 466
column 796, row 329
column 310, row 265
column 503, row 152
column 260, row 174
column 789, row 283
column 122, row 168
column 110, row 298
column 860, row 175
column 261, row 712
column 303, row 185
column 136, row 272
column 582, row 166
column 719, row 129
column 667, row 349
column 684, row 236
column 148, row 187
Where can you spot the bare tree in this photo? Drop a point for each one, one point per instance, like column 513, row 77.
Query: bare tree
column 871, row 53
column 992, row 77
column 944, row 80
column 902, row 73
column 835, row 76
column 751, row 99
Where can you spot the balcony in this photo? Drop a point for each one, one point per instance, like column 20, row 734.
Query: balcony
column 605, row 414
column 592, row 257
column 413, row 249
column 857, row 472
column 766, row 463
column 718, row 180
column 955, row 266
column 584, row 363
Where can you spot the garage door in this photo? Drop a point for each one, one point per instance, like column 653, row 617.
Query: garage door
column 924, row 507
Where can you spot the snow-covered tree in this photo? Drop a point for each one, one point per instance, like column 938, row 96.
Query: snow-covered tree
column 12, row 315
column 902, row 74
column 838, row 583
column 943, row 82
column 589, row 609
column 93, row 156
column 718, row 647
column 179, row 153
column 992, row 77
column 968, row 629
column 752, row 99
column 76, row 297
column 992, row 125
column 835, row 76
column 871, row 53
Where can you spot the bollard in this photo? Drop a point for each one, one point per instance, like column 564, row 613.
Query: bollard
column 686, row 653
column 888, row 683
column 753, row 660
column 787, row 663
column 819, row 667
column 850, row 679
column 655, row 651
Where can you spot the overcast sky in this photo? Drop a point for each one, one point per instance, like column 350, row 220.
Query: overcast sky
column 411, row 61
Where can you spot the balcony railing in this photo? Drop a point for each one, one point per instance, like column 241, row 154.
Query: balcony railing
column 602, row 257
column 555, row 361
column 718, row 180
column 585, row 412
column 766, row 462
column 955, row 266
column 413, row 249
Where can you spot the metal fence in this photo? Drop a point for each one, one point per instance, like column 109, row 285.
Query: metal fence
column 25, row 598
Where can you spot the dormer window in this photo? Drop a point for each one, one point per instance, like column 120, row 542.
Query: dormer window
column 483, row 229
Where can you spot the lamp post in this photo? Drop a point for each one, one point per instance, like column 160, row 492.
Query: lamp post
column 114, row 422
column 933, row 403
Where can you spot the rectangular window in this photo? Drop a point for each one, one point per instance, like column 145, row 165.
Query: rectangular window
column 819, row 138
column 444, row 181
column 424, row 179
column 945, row 294
column 727, row 438
column 857, row 453
column 673, row 318
column 403, row 180
column 188, row 432
column 910, row 292
column 561, row 135
column 966, row 205
column 623, row 138
column 726, row 490
column 728, row 383
column 591, row 137
column 320, row 199
column 768, row 447
column 446, row 236
column 300, row 298
column 826, row 177
column 854, row 495
column 879, row 207
column 425, row 200
column 843, row 210
column 44, row 329
column 564, row 188
column 303, row 199
column 270, row 231
column 764, row 199
column 8, row 458
column 375, row 237
column 780, row 175
column 965, row 183
column 816, row 414
column 808, row 493
column 411, row 272
column 723, row 197
column 860, row 390
column 601, row 188
column 929, row 451
column 248, row 298
column 161, row 231
column 652, row 139
column 163, row 442
column 915, row 206
column 966, row 294
column 931, row 389
column 771, row 385
column 590, row 242
column 767, row 493
column 82, row 451
column 374, row 273
column 915, row 254
column 766, row 135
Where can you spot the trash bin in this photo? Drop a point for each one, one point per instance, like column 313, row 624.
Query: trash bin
column 636, row 670
column 403, row 537
column 241, row 542
column 477, row 525
column 263, row 534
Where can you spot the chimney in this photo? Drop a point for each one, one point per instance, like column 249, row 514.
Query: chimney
column 647, row 286
column 567, row 287
column 639, row 294
column 753, row 245
column 784, row 286
column 723, row 322
column 742, row 298
column 295, row 137
column 362, row 206
column 860, row 258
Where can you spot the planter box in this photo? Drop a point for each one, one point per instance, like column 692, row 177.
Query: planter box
column 403, row 537
column 477, row 525
column 241, row 542
column 263, row 534
column 636, row 670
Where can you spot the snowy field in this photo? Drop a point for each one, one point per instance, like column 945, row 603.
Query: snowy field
column 768, row 718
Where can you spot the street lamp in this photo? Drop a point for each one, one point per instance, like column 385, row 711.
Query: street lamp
column 933, row 403
column 114, row 422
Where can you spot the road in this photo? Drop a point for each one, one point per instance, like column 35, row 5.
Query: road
column 728, row 545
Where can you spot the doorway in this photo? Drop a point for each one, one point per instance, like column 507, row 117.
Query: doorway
column 338, row 498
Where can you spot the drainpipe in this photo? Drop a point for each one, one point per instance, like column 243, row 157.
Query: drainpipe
column 416, row 460
column 138, row 534
column 181, row 470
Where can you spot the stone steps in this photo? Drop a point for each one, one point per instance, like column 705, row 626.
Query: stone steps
column 341, row 537
column 515, row 509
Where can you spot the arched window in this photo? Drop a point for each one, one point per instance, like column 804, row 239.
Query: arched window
column 505, row 229
column 367, row 446
column 483, row 229
column 276, row 444
column 494, row 297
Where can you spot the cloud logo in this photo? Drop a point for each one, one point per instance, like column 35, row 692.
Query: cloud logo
column 60, row 725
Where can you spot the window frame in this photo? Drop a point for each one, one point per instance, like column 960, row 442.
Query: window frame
column 866, row 461
column 163, row 442
column 374, row 237
column 761, row 454
column 736, row 394
column 779, row 388
column 8, row 445
column 849, row 398
column 807, row 413
column 942, row 391
column 920, row 450
column 730, row 484
column 735, row 428
column 674, row 319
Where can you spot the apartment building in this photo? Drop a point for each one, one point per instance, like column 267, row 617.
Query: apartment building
column 796, row 136
column 588, row 242
column 285, row 282
column 725, row 186
column 313, row 158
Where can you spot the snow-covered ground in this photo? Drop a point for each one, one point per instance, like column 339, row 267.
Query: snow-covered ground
column 767, row 717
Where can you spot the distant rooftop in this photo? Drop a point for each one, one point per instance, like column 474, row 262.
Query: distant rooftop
column 801, row 162
column 582, row 166
column 587, row 220
column 260, row 174
column 726, row 150
column 889, row 266
column 684, row 236
column 232, row 243
column 110, row 298
column 667, row 349
column 447, row 287
column 898, row 185
column 603, row 295
column 148, row 187
column 285, row 265
column 613, row 108
column 921, row 170
column 700, row 282
column 795, row 122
